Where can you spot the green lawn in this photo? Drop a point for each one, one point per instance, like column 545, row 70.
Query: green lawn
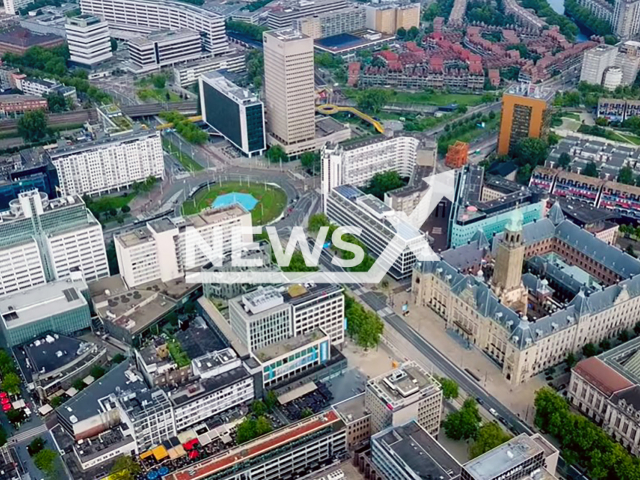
column 271, row 200
column 572, row 116
column 187, row 162
column 437, row 99
column 104, row 204
column 157, row 94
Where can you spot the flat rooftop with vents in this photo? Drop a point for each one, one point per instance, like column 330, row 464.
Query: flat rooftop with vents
column 399, row 386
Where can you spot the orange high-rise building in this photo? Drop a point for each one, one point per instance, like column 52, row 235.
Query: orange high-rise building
column 525, row 114
column 457, row 155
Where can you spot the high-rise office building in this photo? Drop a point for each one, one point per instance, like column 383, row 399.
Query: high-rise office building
column 146, row 16
column 88, row 40
column 595, row 63
column 165, row 47
column 234, row 112
column 525, row 114
column 107, row 164
column 289, row 87
column 626, row 18
column 159, row 251
column 334, row 22
column 388, row 18
column 43, row 240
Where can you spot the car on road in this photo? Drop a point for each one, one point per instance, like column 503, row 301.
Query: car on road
column 493, row 412
column 479, row 400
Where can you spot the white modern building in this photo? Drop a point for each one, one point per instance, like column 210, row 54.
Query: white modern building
column 356, row 162
column 612, row 78
column 332, row 22
column 163, row 48
column 160, row 250
column 626, row 18
column 270, row 314
column 223, row 382
column 386, row 235
column 235, row 112
column 43, row 240
column 108, row 164
column 11, row 7
column 595, row 63
column 88, row 40
column 41, row 87
column 404, row 394
column 188, row 74
column 146, row 16
column 284, row 18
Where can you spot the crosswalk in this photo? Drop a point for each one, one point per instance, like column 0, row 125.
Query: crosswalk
column 20, row 437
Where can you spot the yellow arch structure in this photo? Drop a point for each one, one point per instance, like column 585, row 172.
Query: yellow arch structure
column 329, row 109
column 164, row 126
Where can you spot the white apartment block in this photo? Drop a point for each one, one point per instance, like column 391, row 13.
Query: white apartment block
column 595, row 63
column 42, row 240
column 289, row 88
column 88, row 39
column 302, row 8
column 626, row 18
column 356, row 162
column 404, row 394
column 146, row 16
column 189, row 73
column 386, row 235
column 11, row 7
column 159, row 250
column 108, row 164
column 167, row 47
column 269, row 315
column 223, row 383
column 35, row 86
column 334, row 22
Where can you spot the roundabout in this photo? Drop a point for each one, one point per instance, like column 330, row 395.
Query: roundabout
column 265, row 201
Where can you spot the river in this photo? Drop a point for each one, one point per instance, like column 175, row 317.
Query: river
column 558, row 6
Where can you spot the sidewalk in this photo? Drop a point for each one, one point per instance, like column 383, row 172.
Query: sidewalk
column 432, row 327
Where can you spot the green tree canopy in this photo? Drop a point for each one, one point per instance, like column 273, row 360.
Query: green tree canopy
column 247, row 29
column 36, row 446
column 490, row 435
column 318, row 220
column 383, row 182
column 626, row 175
column 591, row 170
column 311, row 160
column 16, row 416
column 45, row 460
column 449, row 388
column 531, row 151
column 373, row 99
column 589, row 350
column 125, row 468
column 258, row 407
column 564, row 160
column 362, row 325
column 463, row 424
column 32, row 126
column 276, row 154
column 11, row 383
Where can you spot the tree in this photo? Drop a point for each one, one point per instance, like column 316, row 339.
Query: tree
column 97, row 371
column 490, row 435
column 79, row 385
column 258, row 408
column 401, row 33
column 32, row 126
column 449, row 388
column 55, row 402
column 125, row 209
column 45, row 460
column 3, row 436
column 373, row 99
column 263, row 426
column 605, row 345
column 624, row 336
column 6, row 363
column 570, row 360
column 270, row 400
column 318, row 220
column 463, row 424
column 306, row 412
column 246, row 431
column 118, row 358
column 589, row 350
column 591, row 170
column 413, row 33
column 276, row 154
column 36, row 446
column 362, row 325
column 531, row 151
column 626, row 175
column 11, row 383
column 113, row 212
column 114, row 45
column 16, row 417
column 311, row 161
column 254, row 60
column 564, row 160
column 125, row 468
column 383, row 182
column 159, row 81
column 57, row 103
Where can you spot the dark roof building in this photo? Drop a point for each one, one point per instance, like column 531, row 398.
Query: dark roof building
column 19, row 40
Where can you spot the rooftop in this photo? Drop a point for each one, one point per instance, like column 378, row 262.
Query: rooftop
column 17, row 98
column 99, row 445
column 531, row 91
column 160, row 36
column 601, row 376
column 230, row 89
column 54, row 351
column 80, row 147
column 286, row 34
column 503, row 458
column 204, row 386
column 351, row 409
column 403, row 386
column 21, row 37
column 135, row 310
column 26, row 306
column 419, row 452
column 287, row 345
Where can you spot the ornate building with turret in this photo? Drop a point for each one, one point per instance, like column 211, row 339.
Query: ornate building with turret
column 533, row 294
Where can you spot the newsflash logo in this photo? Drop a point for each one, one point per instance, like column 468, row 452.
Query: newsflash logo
column 238, row 263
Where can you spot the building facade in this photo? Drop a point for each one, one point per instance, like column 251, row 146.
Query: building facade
column 167, row 247
column 286, row 17
column 404, row 394
column 42, row 240
column 162, row 48
column 88, row 39
column 356, row 162
column 525, row 114
column 108, row 164
column 389, row 18
column 234, row 112
column 595, row 63
column 188, row 74
column 626, row 18
column 11, row 105
column 387, row 236
column 334, row 22
column 289, row 88
column 145, row 16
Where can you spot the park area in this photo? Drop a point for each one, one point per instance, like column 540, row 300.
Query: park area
column 265, row 202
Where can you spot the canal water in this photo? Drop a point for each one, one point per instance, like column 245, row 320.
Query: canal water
column 558, row 6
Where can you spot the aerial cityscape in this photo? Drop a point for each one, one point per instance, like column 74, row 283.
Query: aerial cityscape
column 320, row 240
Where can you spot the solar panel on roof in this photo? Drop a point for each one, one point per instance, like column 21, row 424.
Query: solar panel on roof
column 70, row 294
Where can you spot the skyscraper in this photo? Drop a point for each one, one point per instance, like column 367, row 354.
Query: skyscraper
column 626, row 18
column 88, row 39
column 289, row 88
column 525, row 114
